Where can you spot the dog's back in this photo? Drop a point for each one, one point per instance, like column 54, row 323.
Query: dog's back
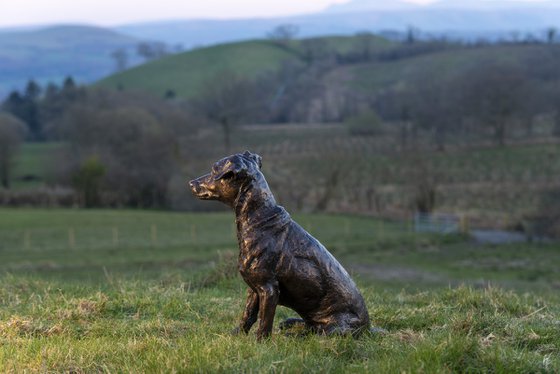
column 314, row 284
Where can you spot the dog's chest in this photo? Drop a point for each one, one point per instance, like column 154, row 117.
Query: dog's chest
column 257, row 258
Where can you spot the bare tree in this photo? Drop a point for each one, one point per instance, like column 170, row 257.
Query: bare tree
column 434, row 108
column 551, row 33
column 556, row 129
column 330, row 184
column 227, row 101
column 121, row 59
column 423, row 177
column 412, row 35
column 365, row 45
column 12, row 133
column 283, row 34
column 151, row 50
column 493, row 95
column 314, row 50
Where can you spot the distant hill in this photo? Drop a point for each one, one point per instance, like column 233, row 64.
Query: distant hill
column 50, row 54
column 455, row 18
column 368, row 5
column 188, row 72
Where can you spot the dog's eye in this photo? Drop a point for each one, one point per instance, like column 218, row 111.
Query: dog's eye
column 227, row 175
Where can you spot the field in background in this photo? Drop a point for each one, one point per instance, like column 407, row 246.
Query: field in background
column 86, row 246
column 494, row 186
column 33, row 164
column 137, row 291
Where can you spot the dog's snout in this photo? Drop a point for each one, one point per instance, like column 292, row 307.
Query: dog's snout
column 192, row 185
column 201, row 189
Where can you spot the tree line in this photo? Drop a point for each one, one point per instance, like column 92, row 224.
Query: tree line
column 120, row 149
column 488, row 99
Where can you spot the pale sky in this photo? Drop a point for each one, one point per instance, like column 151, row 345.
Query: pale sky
column 115, row 12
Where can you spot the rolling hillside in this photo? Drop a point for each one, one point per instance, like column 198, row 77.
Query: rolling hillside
column 444, row 64
column 187, row 73
column 53, row 53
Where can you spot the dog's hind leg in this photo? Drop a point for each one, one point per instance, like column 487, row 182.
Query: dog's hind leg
column 288, row 323
column 295, row 327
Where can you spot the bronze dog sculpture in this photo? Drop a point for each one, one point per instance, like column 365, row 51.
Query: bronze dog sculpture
column 281, row 263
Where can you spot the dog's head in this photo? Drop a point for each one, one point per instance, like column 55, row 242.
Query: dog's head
column 227, row 177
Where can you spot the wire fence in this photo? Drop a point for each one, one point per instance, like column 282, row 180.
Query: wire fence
column 441, row 223
column 78, row 238
column 327, row 229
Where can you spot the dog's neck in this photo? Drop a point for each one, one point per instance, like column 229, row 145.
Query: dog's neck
column 255, row 206
column 254, row 199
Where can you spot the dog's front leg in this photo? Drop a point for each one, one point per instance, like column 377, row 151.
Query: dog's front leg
column 251, row 311
column 268, row 300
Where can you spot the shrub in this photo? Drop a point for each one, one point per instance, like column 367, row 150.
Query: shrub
column 365, row 124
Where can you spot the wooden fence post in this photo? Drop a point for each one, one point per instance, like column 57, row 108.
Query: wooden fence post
column 347, row 227
column 193, row 233
column 154, row 235
column 27, row 239
column 71, row 238
column 115, row 236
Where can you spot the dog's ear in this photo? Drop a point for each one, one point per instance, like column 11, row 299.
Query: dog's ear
column 254, row 157
column 230, row 169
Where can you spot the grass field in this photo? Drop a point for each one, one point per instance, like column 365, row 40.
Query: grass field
column 33, row 163
column 136, row 291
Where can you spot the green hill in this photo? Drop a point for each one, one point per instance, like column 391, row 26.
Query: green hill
column 188, row 72
column 439, row 65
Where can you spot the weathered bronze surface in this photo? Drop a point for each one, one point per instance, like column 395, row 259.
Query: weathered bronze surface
column 281, row 263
